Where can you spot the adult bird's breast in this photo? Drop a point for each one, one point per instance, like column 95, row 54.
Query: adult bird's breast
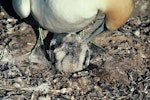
column 63, row 16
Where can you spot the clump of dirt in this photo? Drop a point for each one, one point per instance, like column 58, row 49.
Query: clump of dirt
column 142, row 8
column 121, row 72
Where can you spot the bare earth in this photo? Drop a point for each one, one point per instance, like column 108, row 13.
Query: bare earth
column 122, row 72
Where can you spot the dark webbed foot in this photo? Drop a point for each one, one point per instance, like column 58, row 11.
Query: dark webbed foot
column 98, row 27
column 38, row 54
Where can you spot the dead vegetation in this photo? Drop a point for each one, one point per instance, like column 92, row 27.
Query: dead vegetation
column 120, row 73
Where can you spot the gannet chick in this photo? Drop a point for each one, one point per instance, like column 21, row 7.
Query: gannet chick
column 71, row 56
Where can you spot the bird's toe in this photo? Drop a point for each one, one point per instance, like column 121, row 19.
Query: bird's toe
column 38, row 56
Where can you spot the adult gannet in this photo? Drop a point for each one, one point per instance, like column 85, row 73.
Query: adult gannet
column 71, row 16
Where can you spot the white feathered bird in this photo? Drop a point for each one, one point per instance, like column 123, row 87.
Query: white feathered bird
column 71, row 16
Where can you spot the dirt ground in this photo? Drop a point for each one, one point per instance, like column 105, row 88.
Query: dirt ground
column 122, row 72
